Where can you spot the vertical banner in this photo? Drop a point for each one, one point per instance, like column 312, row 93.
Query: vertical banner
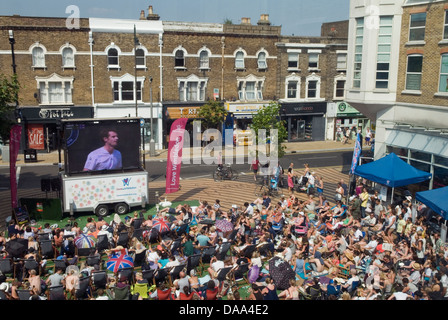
column 14, row 146
column 356, row 154
column 175, row 155
column 36, row 136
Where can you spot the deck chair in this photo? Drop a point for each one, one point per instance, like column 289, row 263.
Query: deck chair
column 99, row 279
column 193, row 262
column 126, row 274
column 102, row 243
column 139, row 258
column 149, row 275
column 249, row 250
column 137, row 223
column 28, row 265
column 138, row 233
column 223, row 250
column 344, row 272
column 154, row 236
column 174, row 274
column 123, row 239
column 56, row 293
column 93, row 260
column 3, row 295
column 240, row 273
column 83, row 252
column 46, row 249
column 24, row 294
column 265, row 250
column 162, row 275
column 223, row 272
column 44, row 236
column 176, row 246
column 207, row 254
column 59, row 264
column 141, row 289
column 301, row 230
column 232, row 236
column 83, row 291
column 7, row 267
column 123, row 293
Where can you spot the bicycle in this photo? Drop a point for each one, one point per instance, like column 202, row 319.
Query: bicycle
column 225, row 173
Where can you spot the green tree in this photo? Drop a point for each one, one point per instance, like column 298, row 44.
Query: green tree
column 268, row 118
column 228, row 21
column 213, row 113
column 9, row 91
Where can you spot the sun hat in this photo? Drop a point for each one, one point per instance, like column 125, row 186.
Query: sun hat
column 417, row 266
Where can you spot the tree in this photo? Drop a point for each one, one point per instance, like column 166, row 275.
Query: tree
column 268, row 118
column 9, row 91
column 213, row 113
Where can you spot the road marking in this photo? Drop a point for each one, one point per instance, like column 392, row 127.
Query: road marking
column 18, row 174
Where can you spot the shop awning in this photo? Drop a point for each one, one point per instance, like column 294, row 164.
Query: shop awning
column 418, row 141
column 242, row 115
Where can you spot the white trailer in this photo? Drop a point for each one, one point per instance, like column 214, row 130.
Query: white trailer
column 102, row 192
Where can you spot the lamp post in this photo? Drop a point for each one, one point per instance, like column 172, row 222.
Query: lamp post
column 136, row 42
column 152, row 144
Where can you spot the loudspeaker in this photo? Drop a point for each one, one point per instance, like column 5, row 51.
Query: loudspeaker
column 55, row 184
column 45, row 185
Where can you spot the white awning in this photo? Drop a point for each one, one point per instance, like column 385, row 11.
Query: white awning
column 418, row 141
column 242, row 115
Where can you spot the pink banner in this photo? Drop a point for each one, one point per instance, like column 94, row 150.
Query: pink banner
column 175, row 155
column 14, row 146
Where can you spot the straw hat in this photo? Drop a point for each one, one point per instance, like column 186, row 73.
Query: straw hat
column 417, row 266
column 349, row 255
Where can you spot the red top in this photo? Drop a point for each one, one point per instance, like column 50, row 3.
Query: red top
column 163, row 294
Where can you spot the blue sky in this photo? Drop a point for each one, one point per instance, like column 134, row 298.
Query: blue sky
column 298, row 17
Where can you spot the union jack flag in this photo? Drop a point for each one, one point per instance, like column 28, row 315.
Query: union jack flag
column 116, row 263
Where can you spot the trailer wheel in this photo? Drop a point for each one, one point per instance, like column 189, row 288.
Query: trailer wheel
column 102, row 210
column 121, row 208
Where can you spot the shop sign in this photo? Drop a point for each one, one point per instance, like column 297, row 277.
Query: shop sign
column 182, row 112
column 56, row 113
column 346, row 110
column 36, row 136
column 304, row 108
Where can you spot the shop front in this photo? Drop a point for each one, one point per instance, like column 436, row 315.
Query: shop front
column 39, row 125
column 304, row 120
column 242, row 115
column 349, row 117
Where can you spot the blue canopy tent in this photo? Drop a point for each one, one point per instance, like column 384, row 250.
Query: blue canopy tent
column 392, row 172
column 436, row 199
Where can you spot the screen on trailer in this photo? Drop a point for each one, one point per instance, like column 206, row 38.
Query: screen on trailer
column 102, row 145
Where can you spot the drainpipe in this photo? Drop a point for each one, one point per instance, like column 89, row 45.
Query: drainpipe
column 92, row 87
column 159, row 126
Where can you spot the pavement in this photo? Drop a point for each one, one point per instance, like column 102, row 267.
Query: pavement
column 52, row 158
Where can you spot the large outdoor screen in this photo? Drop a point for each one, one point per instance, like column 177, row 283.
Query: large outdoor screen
column 101, row 145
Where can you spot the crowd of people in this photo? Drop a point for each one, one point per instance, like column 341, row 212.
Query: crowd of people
column 350, row 247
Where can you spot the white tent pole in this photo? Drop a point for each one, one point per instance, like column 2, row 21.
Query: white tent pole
column 392, row 196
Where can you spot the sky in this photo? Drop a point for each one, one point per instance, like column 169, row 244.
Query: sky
column 296, row 17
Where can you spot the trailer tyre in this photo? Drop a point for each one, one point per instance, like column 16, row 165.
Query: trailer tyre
column 121, row 208
column 102, row 210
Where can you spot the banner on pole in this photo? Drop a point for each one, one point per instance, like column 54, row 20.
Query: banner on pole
column 175, row 155
column 14, row 147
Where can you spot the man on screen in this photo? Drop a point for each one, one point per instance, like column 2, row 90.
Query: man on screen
column 106, row 157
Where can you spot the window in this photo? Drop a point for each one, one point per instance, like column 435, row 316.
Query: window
column 417, row 27
column 203, row 60
column 443, row 82
column 179, row 59
column 239, row 60
column 445, row 28
column 414, row 72
column 292, row 88
column 192, row 88
column 112, row 58
column 68, row 58
column 140, row 61
column 357, row 64
column 38, row 57
column 293, row 60
column 55, row 90
column 341, row 63
column 313, row 60
column 383, row 52
column 124, row 91
column 262, row 64
column 250, row 88
column 339, row 90
column 313, row 87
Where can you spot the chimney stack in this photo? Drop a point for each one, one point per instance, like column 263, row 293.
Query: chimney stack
column 142, row 15
column 264, row 20
column 245, row 21
column 152, row 15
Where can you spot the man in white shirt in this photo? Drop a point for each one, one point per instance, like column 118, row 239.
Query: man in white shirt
column 248, row 209
column 398, row 295
column 215, row 266
column 109, row 235
column 369, row 221
column 371, row 246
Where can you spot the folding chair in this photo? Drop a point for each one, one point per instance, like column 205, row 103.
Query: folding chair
column 84, row 285
column 141, row 289
column 56, row 293
column 126, row 274
column 249, row 250
column 44, row 236
column 138, row 233
column 137, row 223
column 3, row 295
column 139, row 258
column 46, row 249
column 174, row 274
column 122, row 293
column 223, row 272
column 223, row 250
column 176, row 246
column 24, row 294
column 265, row 250
column 28, row 265
column 123, row 239
column 103, row 242
column 162, row 275
column 232, row 236
column 240, row 273
column 193, row 262
column 99, row 279
column 207, row 254
column 59, row 264
column 344, row 272
column 149, row 275
column 83, row 252
column 93, row 260
column 7, row 267
column 182, row 229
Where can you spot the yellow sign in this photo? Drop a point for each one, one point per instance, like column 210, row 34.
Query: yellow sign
column 182, row 112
